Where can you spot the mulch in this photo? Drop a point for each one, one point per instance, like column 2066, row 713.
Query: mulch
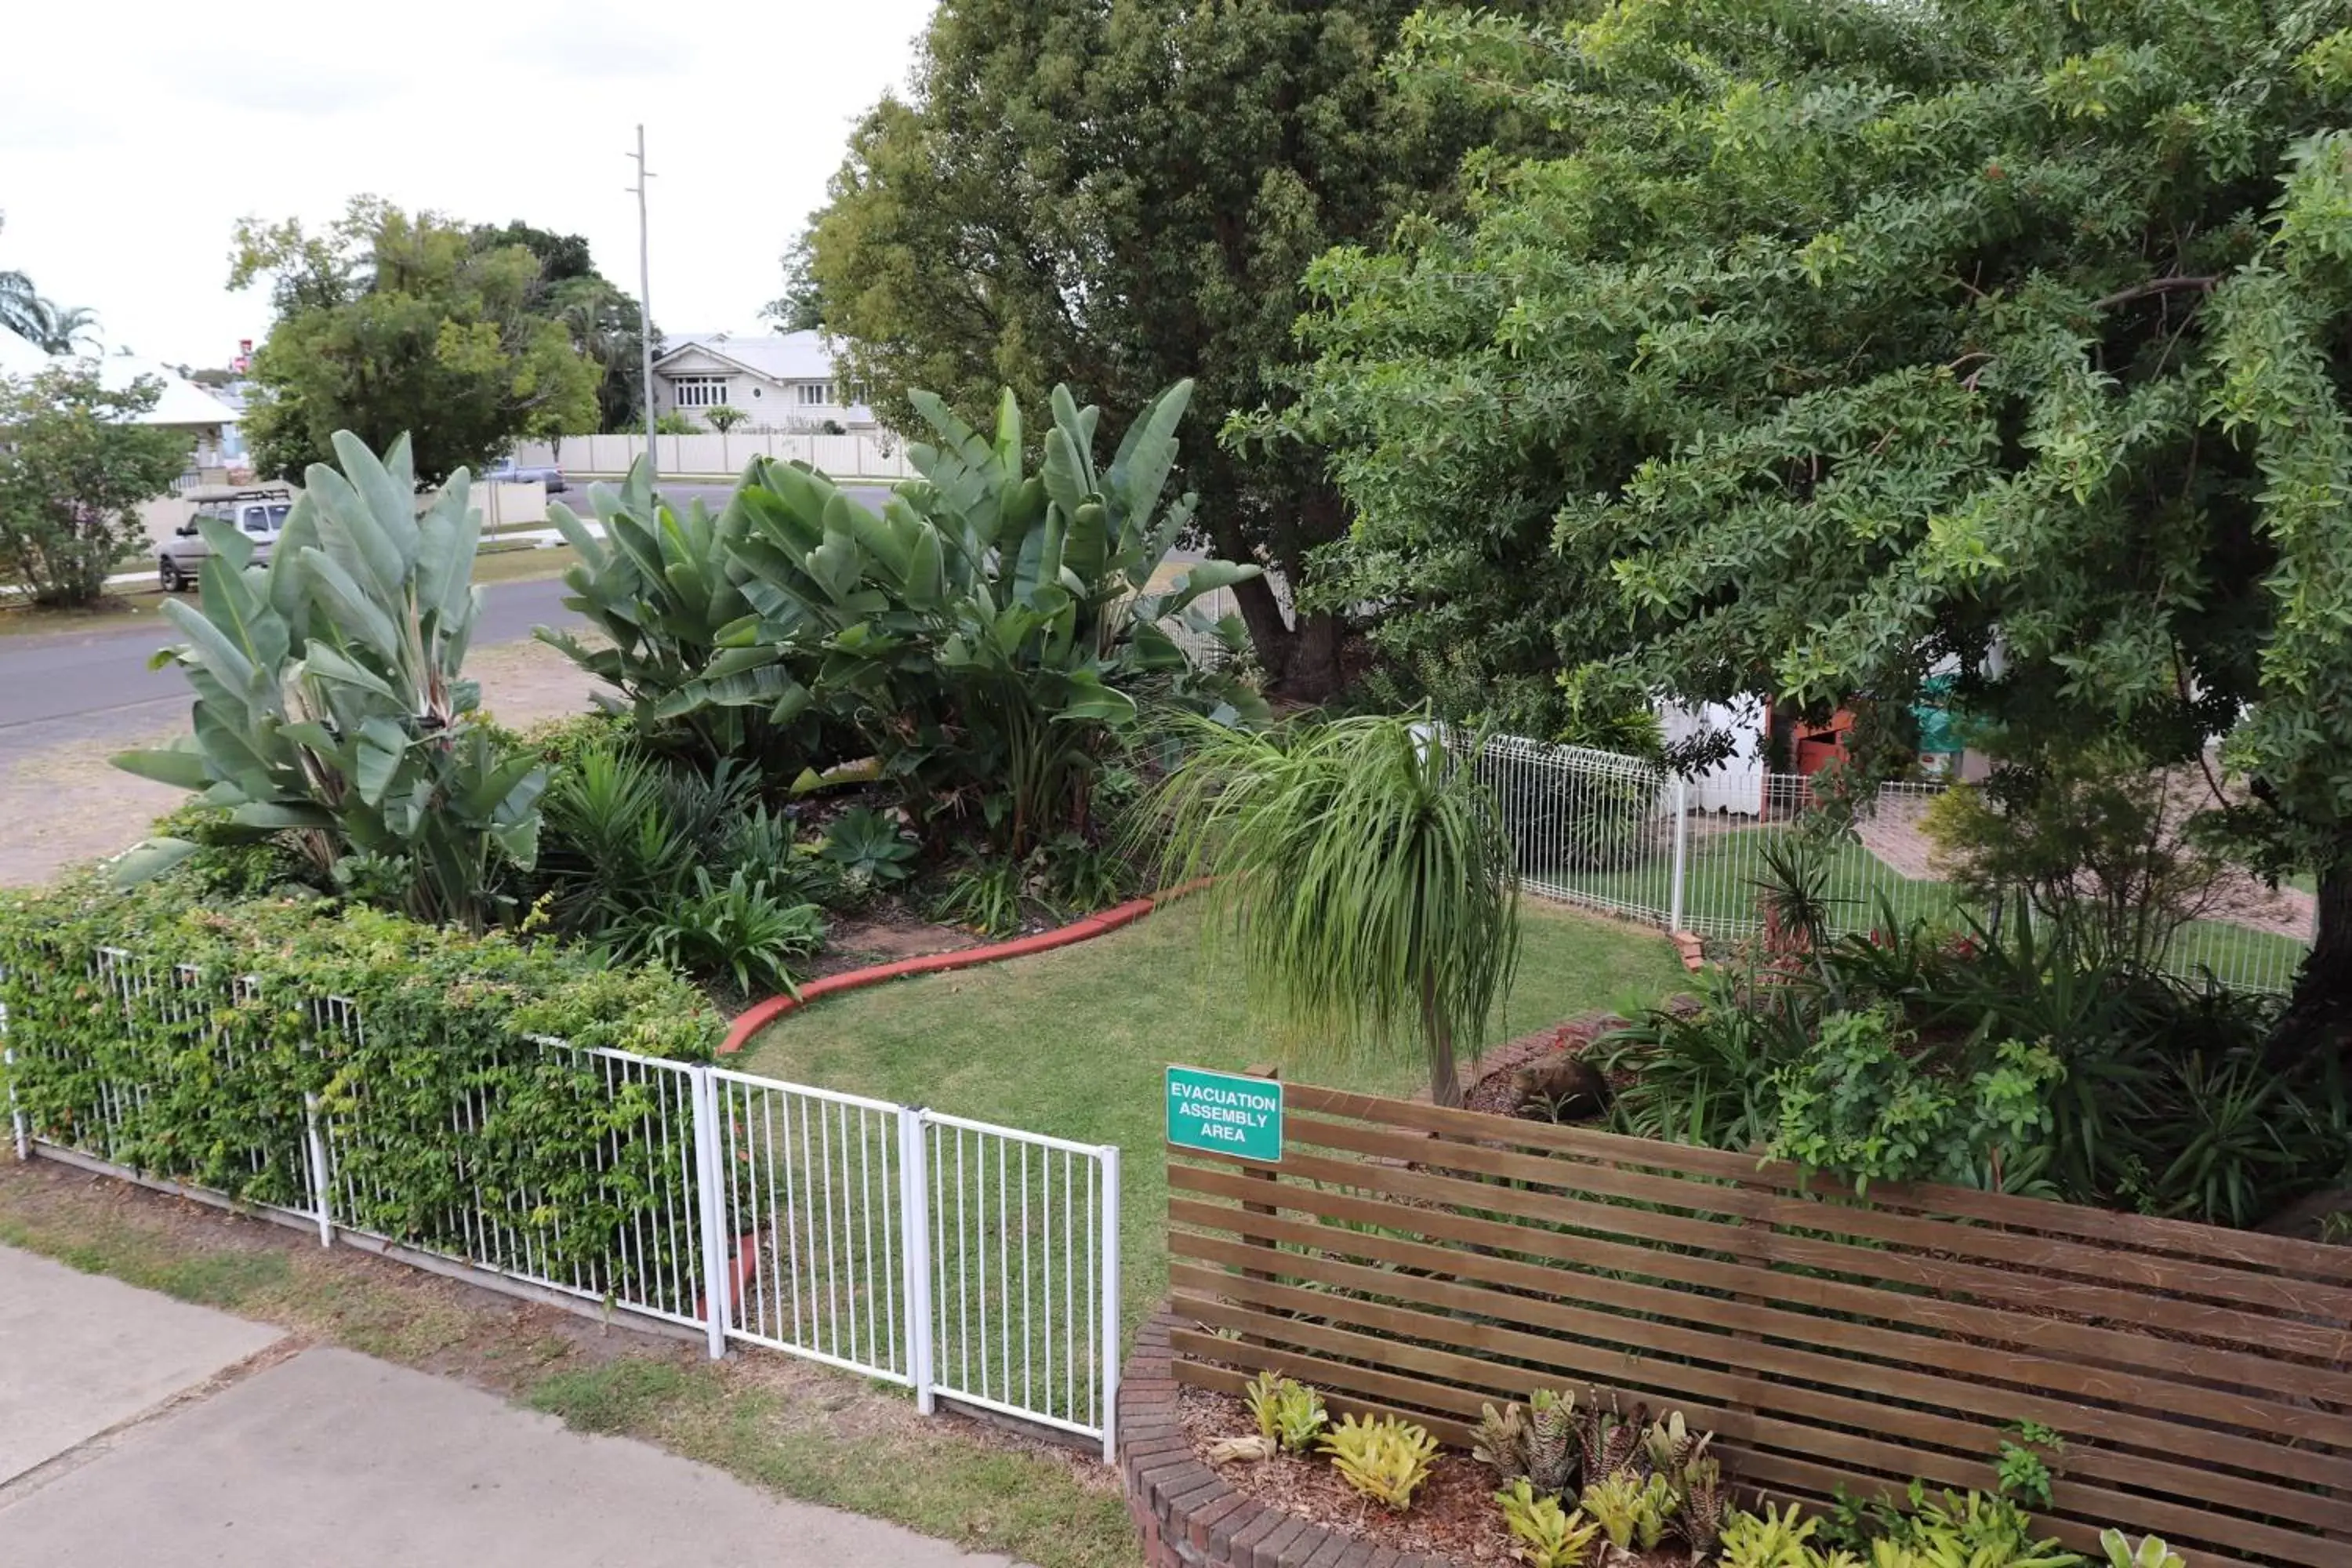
column 1494, row 1093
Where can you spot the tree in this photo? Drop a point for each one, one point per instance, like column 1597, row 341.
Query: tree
column 602, row 317
column 723, row 418
column 801, row 308
column 1119, row 194
column 1811, row 359
column 74, row 467
column 1361, row 876
column 52, row 327
column 391, row 323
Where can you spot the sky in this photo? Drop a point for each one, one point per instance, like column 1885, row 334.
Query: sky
column 134, row 133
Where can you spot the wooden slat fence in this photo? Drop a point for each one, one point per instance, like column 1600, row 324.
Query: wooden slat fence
column 1406, row 1258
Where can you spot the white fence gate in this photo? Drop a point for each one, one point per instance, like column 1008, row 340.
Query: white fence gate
column 954, row 1257
column 1627, row 838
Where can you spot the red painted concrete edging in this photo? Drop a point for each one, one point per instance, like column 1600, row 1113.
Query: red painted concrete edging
column 759, row 1014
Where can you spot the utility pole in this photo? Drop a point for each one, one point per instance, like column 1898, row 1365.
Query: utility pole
column 645, row 305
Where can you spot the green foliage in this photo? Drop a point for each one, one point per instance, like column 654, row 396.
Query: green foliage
column 74, row 466
column 1288, row 1413
column 2088, row 835
column 600, row 317
column 1385, row 1458
column 658, row 589
column 985, row 895
column 1769, row 1540
column 1053, row 152
column 331, row 703
column 2151, row 1552
column 1705, row 1075
column 189, row 1056
column 2026, row 1463
column 673, row 423
column 630, row 844
column 1801, row 358
column 393, row 324
column 723, row 418
column 1618, row 1503
column 1551, row 1449
column 52, row 327
column 1499, row 1442
column 1361, row 878
column 1547, row 1536
column 1859, row 1104
column 869, row 847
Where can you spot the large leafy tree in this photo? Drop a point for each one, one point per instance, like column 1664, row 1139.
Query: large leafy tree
column 74, row 466
column 1119, row 194
column 601, row 316
column 389, row 323
column 1817, row 344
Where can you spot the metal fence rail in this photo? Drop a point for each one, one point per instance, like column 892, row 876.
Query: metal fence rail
column 1624, row 836
column 960, row 1259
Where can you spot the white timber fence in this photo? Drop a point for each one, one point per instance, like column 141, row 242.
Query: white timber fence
column 957, row 1259
column 721, row 455
column 1630, row 838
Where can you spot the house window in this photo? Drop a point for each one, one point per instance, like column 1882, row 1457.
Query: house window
column 701, row 391
column 817, row 394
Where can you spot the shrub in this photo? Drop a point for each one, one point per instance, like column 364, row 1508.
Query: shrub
column 330, row 703
column 1547, row 1536
column 870, row 849
column 190, row 1058
column 1288, row 1413
column 75, row 466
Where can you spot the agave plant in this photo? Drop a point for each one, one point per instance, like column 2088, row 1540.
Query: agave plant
column 329, row 699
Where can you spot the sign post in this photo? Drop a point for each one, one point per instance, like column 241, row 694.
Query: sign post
column 1225, row 1113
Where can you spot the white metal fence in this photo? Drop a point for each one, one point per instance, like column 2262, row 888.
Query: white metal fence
column 954, row 1257
column 1623, row 836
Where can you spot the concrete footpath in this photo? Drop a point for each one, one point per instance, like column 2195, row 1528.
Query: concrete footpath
column 134, row 1428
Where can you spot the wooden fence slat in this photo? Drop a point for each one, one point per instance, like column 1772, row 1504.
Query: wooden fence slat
column 1430, row 1259
column 2127, row 1467
column 2172, row 1315
column 2275, row 1291
column 1736, row 1426
column 1850, row 1403
column 2214, row 1243
column 1933, row 1318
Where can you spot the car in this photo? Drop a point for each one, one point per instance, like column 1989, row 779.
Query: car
column 260, row 515
column 506, row 471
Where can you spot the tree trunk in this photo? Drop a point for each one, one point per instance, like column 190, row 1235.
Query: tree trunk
column 2318, row 1017
column 1269, row 631
column 1445, row 1082
column 1314, row 673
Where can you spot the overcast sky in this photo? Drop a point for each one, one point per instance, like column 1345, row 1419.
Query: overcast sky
column 134, row 133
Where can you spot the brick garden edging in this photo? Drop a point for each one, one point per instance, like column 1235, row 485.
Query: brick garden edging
column 1186, row 1516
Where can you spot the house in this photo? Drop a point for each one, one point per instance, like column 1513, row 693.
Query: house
column 780, row 381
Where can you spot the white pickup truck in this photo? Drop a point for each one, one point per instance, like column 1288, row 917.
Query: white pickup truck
column 260, row 515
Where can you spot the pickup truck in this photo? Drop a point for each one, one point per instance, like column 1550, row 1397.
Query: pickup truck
column 260, row 515
column 506, row 471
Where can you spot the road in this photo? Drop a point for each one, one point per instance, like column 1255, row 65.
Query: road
column 80, row 686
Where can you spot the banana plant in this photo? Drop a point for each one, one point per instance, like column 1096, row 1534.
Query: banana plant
column 659, row 587
column 331, row 703
column 988, row 627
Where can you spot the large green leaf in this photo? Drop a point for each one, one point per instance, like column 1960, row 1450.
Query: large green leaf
column 355, row 611
column 220, row 654
column 179, row 769
column 144, row 862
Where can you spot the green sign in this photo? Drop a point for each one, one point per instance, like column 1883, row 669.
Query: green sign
column 1224, row 1114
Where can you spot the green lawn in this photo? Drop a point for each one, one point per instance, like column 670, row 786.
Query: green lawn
column 1072, row 1043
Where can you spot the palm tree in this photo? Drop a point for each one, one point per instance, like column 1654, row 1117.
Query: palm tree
column 1362, row 880
column 50, row 327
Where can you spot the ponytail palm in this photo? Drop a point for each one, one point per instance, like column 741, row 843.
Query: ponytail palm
column 1361, row 879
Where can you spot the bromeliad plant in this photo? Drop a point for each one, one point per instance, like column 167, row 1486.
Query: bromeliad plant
column 331, row 703
column 1385, row 1458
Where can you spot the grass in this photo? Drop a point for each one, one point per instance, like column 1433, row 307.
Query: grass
column 800, row 1430
column 133, row 607
column 1073, row 1042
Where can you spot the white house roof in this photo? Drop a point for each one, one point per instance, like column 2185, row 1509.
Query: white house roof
column 182, row 402
column 779, row 356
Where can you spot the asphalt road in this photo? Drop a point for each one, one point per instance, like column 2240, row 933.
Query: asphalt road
column 79, row 686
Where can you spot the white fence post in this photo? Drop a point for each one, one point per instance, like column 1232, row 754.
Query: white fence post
column 1110, row 1319
column 15, row 1114
column 322, row 1181
column 710, row 1170
column 1682, row 853
column 915, row 1237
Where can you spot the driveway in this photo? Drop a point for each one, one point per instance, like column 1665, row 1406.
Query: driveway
column 134, row 1428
